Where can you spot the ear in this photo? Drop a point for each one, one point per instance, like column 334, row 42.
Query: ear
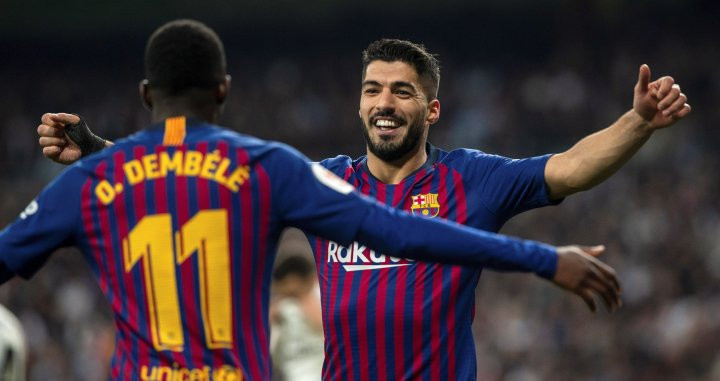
column 144, row 88
column 433, row 111
column 223, row 89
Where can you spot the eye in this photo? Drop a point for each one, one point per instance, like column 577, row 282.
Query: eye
column 403, row 93
column 370, row 90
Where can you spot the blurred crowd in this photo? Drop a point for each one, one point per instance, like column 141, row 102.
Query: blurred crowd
column 659, row 216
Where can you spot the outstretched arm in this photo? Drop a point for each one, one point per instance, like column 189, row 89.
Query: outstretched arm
column 313, row 199
column 573, row 268
column 593, row 159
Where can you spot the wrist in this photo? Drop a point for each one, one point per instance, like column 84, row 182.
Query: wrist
column 636, row 121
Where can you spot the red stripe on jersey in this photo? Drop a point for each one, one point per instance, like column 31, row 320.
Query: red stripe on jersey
column 399, row 322
column 417, row 319
column 345, row 324
column 461, row 218
column 264, row 223
column 380, row 308
column 451, row 320
column 246, row 293
column 131, row 304
column 333, row 349
column 225, row 197
column 93, row 238
column 140, row 205
column 107, row 250
column 437, row 290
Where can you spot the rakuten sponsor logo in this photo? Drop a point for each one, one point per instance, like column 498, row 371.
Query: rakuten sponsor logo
column 358, row 257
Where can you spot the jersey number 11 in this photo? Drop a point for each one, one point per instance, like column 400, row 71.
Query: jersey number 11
column 151, row 241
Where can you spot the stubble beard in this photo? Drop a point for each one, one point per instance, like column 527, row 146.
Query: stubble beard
column 388, row 150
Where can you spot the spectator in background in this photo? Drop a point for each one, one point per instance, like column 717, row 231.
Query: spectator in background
column 296, row 320
column 13, row 352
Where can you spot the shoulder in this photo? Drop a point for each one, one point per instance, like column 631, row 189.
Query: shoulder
column 339, row 164
column 256, row 148
column 463, row 157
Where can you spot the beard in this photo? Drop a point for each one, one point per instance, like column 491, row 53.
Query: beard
column 387, row 150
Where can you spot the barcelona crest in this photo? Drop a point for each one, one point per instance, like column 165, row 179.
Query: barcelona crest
column 425, row 205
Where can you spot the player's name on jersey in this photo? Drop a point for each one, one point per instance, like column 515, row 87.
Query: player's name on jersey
column 211, row 166
column 206, row 373
column 358, row 257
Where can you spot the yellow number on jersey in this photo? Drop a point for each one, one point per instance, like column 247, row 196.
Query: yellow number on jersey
column 151, row 241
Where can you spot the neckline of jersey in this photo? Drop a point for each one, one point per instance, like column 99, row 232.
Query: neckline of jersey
column 432, row 157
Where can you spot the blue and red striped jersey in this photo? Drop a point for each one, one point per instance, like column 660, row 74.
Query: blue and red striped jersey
column 395, row 319
column 179, row 224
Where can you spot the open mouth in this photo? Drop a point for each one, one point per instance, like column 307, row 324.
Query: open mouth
column 387, row 124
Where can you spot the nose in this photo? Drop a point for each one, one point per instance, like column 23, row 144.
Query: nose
column 386, row 101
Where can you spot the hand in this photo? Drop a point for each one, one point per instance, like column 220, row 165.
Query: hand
column 660, row 103
column 579, row 272
column 55, row 144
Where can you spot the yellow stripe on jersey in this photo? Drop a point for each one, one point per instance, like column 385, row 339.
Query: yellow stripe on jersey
column 174, row 131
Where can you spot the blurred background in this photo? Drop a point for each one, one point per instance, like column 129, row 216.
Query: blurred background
column 519, row 78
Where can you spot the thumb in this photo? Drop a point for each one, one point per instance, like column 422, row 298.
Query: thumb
column 643, row 78
column 594, row 250
column 64, row 118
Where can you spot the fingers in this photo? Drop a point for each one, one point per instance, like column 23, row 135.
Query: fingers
column 672, row 95
column 59, row 120
column 65, row 118
column 671, row 108
column 580, row 272
column 593, row 250
column 52, row 152
column 47, row 141
column 607, row 291
column 587, row 296
column 665, row 84
column 643, row 77
column 683, row 112
column 608, row 273
column 50, row 131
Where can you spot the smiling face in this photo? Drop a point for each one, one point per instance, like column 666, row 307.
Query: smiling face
column 395, row 110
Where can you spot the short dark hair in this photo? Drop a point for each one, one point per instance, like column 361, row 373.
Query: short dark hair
column 297, row 265
column 184, row 54
column 425, row 64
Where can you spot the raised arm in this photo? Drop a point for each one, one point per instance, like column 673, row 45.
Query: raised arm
column 593, row 159
column 311, row 198
column 65, row 138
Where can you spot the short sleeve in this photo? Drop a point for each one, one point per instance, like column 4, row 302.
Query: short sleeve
column 510, row 186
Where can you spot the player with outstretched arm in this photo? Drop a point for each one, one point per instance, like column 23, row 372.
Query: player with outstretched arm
column 180, row 221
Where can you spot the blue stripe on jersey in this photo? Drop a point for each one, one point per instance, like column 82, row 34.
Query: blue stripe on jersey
column 239, row 297
column 257, row 272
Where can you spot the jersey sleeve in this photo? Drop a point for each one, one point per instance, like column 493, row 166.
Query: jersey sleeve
column 47, row 223
column 311, row 198
column 509, row 186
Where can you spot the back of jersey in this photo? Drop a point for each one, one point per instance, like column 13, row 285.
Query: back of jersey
column 177, row 228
